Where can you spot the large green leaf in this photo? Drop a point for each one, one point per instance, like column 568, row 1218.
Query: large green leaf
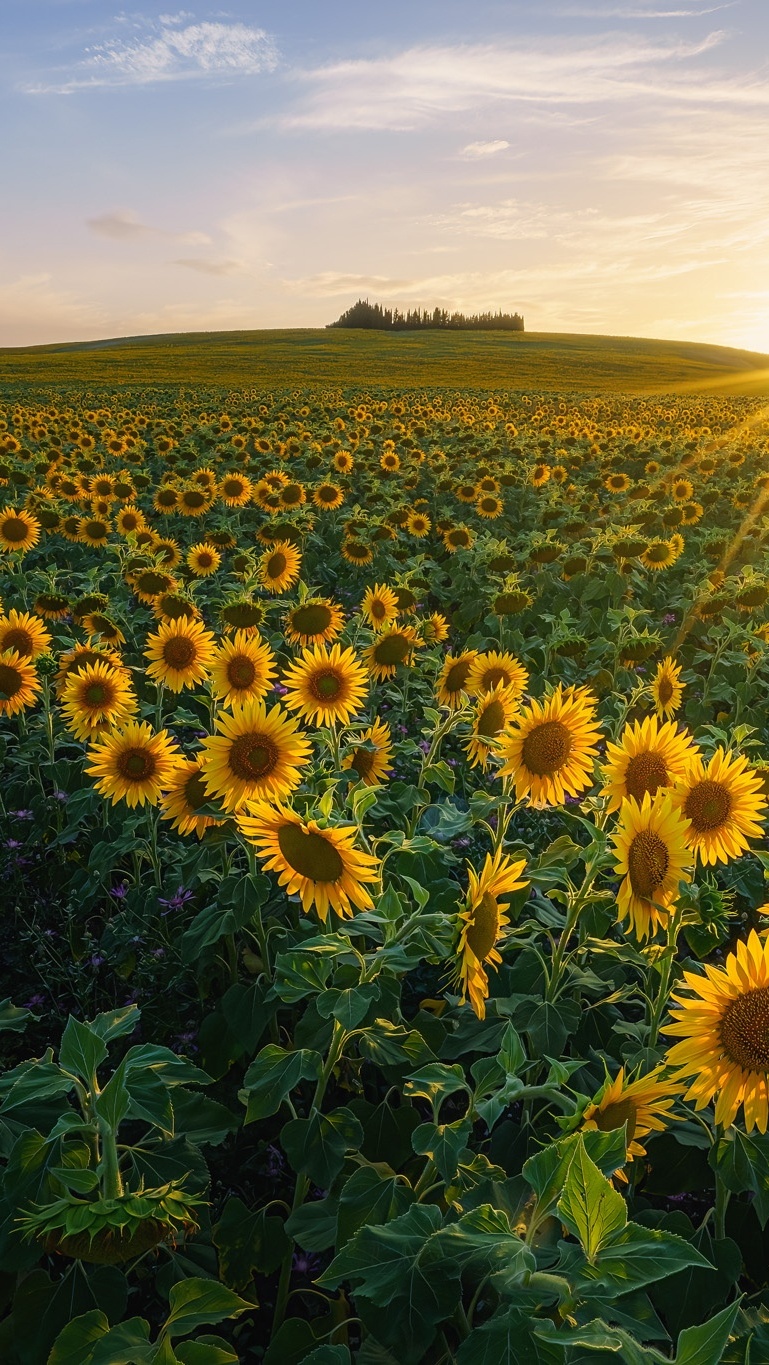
column 372, row 1195
column 273, row 1075
column 504, row 1340
column 197, row 1303
column 589, row 1205
column 443, row 1143
column 81, row 1050
column 247, row 1241
column 638, row 1256
column 484, row 1241
column 705, row 1345
column 742, row 1161
column 316, row 1146
column 547, row 1172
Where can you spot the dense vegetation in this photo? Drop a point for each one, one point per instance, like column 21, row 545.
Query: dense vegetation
column 368, row 315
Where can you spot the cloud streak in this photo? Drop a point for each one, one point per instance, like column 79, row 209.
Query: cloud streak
column 125, row 226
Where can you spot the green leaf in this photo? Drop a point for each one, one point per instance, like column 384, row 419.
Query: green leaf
column 548, row 1170
column 597, row 1336
column 512, row 1053
column 150, row 1099
column 201, row 1119
column 638, row 1256
column 74, row 1345
column 81, row 1050
column 328, row 1355
column 273, row 1075
column 443, row 1143
column 350, row 1006
column 484, row 1241
column 388, row 1044
column 127, row 1343
column 195, row 1303
column 116, row 1023
column 77, row 1178
column 372, row 1195
column 316, row 1146
column 504, row 1340
column 206, row 1350
column 300, row 973
column 590, row 1206
column 37, row 1080
column 313, row 1225
column 13, row 1019
column 706, row 1344
column 435, row 1082
column 248, row 1241
column 742, row 1161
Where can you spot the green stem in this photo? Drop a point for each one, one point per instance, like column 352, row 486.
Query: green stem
column 666, row 970
column 722, row 1203
column 111, row 1179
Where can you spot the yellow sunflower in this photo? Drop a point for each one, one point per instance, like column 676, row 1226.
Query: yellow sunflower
column 648, row 757
column 724, row 804
column 25, row 633
column 193, row 501
column 660, row 554
column 328, row 496
column 666, row 688
column 133, row 764
column 19, row 530
column 203, row 559
column 235, row 490
column 96, row 623
column 393, row 648
column 279, row 566
column 451, row 684
column 490, row 506
column 418, row 524
column 457, row 538
column 322, row 866
column 314, row 621
column 492, row 668
column 255, row 754
column 482, row 923
column 242, row 669
column 435, row 629
column 183, row 798
column 148, row 584
column 180, row 653
column 79, row 657
column 242, row 614
column 96, row 698
column 94, row 531
column 370, row 764
column 52, row 606
column 652, row 858
column 642, row 1106
column 551, row 749
column 326, row 685
column 19, row 683
column 379, row 606
column 494, row 710
column 129, row 520
column 723, row 1024
column 357, row 552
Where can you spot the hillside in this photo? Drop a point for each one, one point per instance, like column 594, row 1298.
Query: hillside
column 312, row 358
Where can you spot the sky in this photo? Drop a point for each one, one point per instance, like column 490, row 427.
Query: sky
column 600, row 166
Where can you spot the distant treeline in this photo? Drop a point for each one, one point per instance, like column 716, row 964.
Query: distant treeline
column 365, row 314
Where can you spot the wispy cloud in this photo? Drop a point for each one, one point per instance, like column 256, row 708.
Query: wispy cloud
column 206, row 267
column 125, row 226
column 637, row 11
column 170, row 49
column 481, row 149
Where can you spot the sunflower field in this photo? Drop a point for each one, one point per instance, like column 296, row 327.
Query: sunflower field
column 385, row 779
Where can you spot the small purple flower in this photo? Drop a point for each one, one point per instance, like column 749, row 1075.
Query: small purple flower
column 120, row 891
column 177, row 901
column 424, row 745
column 22, row 814
column 669, row 619
column 639, row 668
column 279, row 690
column 276, row 1162
column 35, row 1002
column 572, row 800
column 97, row 960
column 13, row 843
column 158, row 952
column 305, row 1263
column 60, row 796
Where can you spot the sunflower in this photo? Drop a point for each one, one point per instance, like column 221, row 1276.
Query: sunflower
column 539, row 475
column 94, row 531
column 313, row 621
column 666, row 688
column 723, row 1024
column 451, row 684
column 724, row 805
column 279, row 566
column 490, row 506
column 648, row 757
column 492, row 668
column 235, row 490
column 322, row 866
column 483, row 921
column 682, row 490
column 418, row 524
column 24, row 633
column 129, row 520
column 370, row 765
column 394, row 647
column 379, row 606
column 19, row 683
column 390, row 461
column 493, row 712
column 328, row 496
column 203, row 559
column 326, row 685
column 52, row 606
column 19, row 530
column 193, row 501
column 457, row 538
column 242, row 614
column 183, row 798
column 435, row 629
column 617, row 483
column 79, row 657
column 166, row 499
column 641, row 1105
column 357, row 552
column 95, row 698
column 148, row 584
column 256, row 754
column 551, row 748
column 96, row 623
column 133, row 764
column 660, row 554
column 343, row 462
column 652, row 858
column 179, row 653
column 242, row 669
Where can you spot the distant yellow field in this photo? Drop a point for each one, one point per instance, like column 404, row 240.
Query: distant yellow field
column 307, row 358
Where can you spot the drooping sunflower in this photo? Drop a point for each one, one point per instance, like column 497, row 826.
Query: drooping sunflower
column 379, row 606
column 96, row 698
column 550, row 749
column 491, row 668
column 393, row 649
column 723, row 1025
column 19, row 683
column 315, row 621
column 256, row 754
column 642, row 1106
column 326, row 685
column 652, row 858
column 493, row 712
column 724, row 804
column 666, row 688
column 180, row 653
column 370, row 757
column 242, row 669
column 174, row 606
column 133, row 764
column 279, row 566
column 357, row 552
column 97, row 623
column 52, row 606
column 151, row 583
column 649, row 756
column 183, row 798
column 483, row 921
column 23, row 632
column 322, row 866
column 19, row 530
column 451, row 683
column 242, row 613
column 203, row 559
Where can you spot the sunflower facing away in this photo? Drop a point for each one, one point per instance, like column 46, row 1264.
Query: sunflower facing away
column 96, row 698
column 370, row 765
column 652, row 858
column 724, row 804
column 183, row 798
column 641, row 1105
column 242, row 669
column 483, row 921
column 179, row 653
column 19, row 683
column 648, row 757
column 326, row 685
column 313, row 622
column 666, row 688
column 133, row 764
column 24, row 633
column 279, row 566
column 723, row 1025
column 322, row 866
column 451, row 684
column 551, row 748
column 255, row 754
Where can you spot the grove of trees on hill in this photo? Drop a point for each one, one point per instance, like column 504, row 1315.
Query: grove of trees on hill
column 365, row 314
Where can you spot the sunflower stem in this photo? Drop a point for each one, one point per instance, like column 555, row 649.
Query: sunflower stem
column 666, row 970
column 722, row 1203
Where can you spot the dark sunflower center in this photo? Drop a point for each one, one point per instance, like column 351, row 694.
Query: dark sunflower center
column 191, row 498
column 312, row 620
column 253, row 757
column 617, row 1115
column 326, row 686
column 492, row 676
column 491, row 719
column 15, row 530
column 136, row 765
column 457, row 676
column 392, row 650
column 645, row 773
column 96, row 694
column 276, row 565
column 310, row 854
column 546, row 748
column 665, row 691
column 96, row 530
column 708, row 805
column 363, row 761
column 647, row 861
column 195, row 793
column 482, row 932
column 378, row 609
column 179, row 652
column 744, row 1030
column 233, row 488
column 19, row 639
column 11, row 681
column 205, row 560
column 489, row 504
column 241, row 671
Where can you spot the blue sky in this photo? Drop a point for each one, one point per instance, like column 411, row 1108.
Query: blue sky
column 600, row 165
